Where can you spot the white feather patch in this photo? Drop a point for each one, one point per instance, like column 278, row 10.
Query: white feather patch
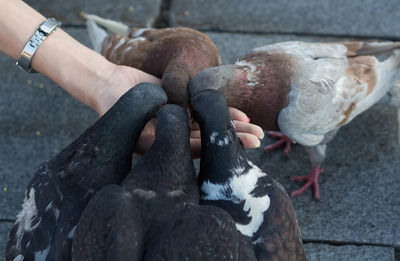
column 72, row 232
column 132, row 40
column 175, row 193
column 25, row 217
column 219, row 142
column 259, row 240
column 18, row 258
column 96, row 35
column 41, row 255
column 121, row 42
column 250, row 70
column 140, row 31
column 146, row 194
column 241, row 186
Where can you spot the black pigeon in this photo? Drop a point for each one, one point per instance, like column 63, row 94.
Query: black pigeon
column 62, row 186
column 228, row 179
column 155, row 213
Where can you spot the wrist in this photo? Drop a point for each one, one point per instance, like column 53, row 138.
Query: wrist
column 112, row 84
column 105, row 94
column 73, row 66
column 115, row 82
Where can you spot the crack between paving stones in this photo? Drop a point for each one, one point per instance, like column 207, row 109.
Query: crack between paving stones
column 6, row 220
column 397, row 254
column 346, row 243
column 163, row 18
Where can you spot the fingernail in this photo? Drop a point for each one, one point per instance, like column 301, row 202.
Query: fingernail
column 248, row 120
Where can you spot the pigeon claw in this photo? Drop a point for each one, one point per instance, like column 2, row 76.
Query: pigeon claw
column 311, row 179
column 283, row 140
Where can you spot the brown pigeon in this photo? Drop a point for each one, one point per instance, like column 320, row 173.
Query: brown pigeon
column 173, row 54
column 306, row 90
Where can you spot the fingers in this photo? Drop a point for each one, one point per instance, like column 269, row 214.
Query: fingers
column 249, row 134
column 238, row 115
column 248, row 128
column 144, row 143
column 195, row 148
column 194, row 126
column 195, row 134
column 146, row 140
column 241, row 128
column 249, row 141
column 147, row 137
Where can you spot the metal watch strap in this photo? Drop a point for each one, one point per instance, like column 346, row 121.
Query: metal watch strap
column 24, row 60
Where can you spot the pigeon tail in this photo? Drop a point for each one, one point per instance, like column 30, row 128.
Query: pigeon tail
column 375, row 48
column 392, row 98
column 96, row 35
column 113, row 26
column 395, row 101
column 386, row 74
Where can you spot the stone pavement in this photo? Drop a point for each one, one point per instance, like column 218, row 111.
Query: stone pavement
column 358, row 216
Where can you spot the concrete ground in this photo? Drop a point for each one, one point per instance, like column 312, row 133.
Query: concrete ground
column 358, row 216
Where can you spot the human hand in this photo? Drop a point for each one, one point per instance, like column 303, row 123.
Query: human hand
column 120, row 80
column 248, row 133
column 123, row 78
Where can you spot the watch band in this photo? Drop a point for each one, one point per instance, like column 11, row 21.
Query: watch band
column 25, row 59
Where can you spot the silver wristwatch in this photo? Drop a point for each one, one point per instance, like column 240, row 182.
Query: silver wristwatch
column 24, row 60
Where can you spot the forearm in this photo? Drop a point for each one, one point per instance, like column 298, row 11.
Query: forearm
column 61, row 58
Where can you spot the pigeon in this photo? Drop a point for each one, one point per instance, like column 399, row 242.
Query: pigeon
column 154, row 214
column 262, row 210
column 307, row 91
column 173, row 54
column 61, row 188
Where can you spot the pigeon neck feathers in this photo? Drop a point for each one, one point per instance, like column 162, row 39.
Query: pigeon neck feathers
column 258, row 84
column 223, row 150
column 167, row 166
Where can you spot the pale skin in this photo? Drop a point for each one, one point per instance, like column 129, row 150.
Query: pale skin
column 87, row 75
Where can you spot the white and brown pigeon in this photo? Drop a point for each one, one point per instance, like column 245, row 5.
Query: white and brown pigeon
column 306, row 90
column 173, row 54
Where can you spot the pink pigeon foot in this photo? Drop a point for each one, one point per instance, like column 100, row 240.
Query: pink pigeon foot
column 283, row 139
column 311, row 179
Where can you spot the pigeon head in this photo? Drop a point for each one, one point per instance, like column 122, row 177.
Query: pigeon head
column 205, row 105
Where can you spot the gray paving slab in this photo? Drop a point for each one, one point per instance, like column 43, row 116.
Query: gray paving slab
column 356, row 18
column 35, row 124
column 5, row 228
column 359, row 189
column 322, row 252
column 138, row 13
